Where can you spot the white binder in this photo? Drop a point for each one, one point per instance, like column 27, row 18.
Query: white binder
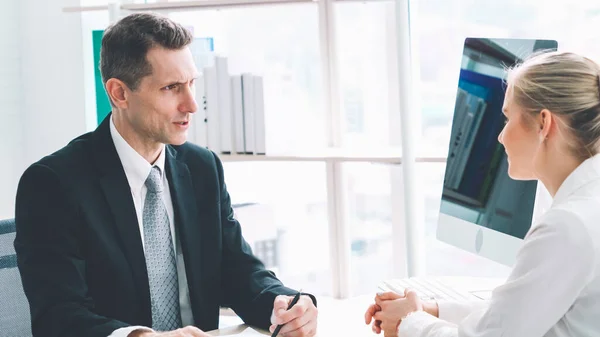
column 225, row 115
column 212, row 109
column 259, row 117
column 237, row 107
column 198, row 131
column 248, row 100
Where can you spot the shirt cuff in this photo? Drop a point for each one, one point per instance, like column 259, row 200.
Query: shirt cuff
column 455, row 312
column 413, row 324
column 422, row 324
column 124, row 332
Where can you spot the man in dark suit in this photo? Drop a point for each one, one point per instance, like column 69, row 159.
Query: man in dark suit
column 129, row 230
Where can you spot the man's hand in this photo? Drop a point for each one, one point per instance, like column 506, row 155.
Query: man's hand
column 299, row 321
column 188, row 331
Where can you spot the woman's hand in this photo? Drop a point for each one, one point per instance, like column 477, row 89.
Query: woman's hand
column 394, row 309
column 374, row 308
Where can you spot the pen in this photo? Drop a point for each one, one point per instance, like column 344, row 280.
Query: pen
column 292, row 303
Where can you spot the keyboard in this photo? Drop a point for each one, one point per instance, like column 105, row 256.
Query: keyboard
column 429, row 289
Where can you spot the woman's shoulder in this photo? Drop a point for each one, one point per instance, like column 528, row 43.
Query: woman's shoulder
column 581, row 210
column 574, row 223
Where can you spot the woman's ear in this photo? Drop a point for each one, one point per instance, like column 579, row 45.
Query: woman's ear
column 545, row 123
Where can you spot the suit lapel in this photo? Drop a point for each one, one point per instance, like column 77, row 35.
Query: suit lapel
column 115, row 186
column 188, row 221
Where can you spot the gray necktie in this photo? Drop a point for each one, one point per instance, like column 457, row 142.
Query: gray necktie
column 160, row 257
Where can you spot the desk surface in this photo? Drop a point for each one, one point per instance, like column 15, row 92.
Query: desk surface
column 233, row 330
column 336, row 318
column 346, row 317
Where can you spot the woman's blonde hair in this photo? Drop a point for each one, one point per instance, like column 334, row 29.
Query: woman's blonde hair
column 566, row 84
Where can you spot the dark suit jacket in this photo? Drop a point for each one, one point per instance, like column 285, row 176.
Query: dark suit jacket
column 80, row 252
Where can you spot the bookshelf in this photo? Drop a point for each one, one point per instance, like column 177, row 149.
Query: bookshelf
column 182, row 5
column 336, row 155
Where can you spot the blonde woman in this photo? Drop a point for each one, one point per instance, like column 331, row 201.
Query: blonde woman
column 552, row 133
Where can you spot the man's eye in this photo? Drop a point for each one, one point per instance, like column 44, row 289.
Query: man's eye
column 170, row 87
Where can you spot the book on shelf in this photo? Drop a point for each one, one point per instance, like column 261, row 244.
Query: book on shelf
column 237, row 107
column 226, row 123
column 211, row 92
column 260, row 146
column 198, row 128
column 248, row 102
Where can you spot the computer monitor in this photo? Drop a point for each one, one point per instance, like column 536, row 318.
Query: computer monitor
column 482, row 209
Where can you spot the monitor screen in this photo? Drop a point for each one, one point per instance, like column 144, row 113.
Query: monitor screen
column 477, row 188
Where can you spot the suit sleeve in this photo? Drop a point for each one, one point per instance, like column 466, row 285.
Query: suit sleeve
column 248, row 288
column 50, row 260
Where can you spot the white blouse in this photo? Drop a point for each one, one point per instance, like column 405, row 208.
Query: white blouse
column 554, row 288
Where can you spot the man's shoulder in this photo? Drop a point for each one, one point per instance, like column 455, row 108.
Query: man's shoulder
column 70, row 158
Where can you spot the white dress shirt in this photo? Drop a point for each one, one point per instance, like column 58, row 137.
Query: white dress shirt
column 137, row 170
column 554, row 288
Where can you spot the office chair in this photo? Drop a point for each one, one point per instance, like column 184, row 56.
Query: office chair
column 15, row 318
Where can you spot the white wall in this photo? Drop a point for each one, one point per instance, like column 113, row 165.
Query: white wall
column 41, row 86
column 52, row 73
column 11, row 127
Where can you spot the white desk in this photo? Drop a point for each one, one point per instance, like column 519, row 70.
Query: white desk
column 346, row 317
column 336, row 318
column 234, row 329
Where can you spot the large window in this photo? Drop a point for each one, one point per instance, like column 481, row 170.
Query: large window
column 282, row 208
column 369, row 220
column 366, row 57
column 365, row 37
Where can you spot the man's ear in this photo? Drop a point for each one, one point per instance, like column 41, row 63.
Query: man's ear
column 117, row 92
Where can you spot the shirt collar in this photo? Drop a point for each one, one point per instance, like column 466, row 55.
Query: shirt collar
column 135, row 166
column 587, row 171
